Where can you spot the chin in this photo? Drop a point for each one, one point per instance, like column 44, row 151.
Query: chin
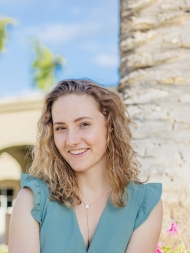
column 79, row 169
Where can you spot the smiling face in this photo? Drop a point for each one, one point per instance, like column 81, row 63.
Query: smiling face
column 80, row 132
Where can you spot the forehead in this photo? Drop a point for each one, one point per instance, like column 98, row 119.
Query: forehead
column 72, row 106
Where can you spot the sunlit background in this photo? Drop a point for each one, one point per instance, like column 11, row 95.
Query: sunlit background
column 44, row 42
column 41, row 43
column 85, row 33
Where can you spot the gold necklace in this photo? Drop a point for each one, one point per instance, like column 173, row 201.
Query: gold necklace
column 87, row 206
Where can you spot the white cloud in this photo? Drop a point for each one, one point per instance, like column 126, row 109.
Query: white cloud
column 107, row 61
column 59, row 33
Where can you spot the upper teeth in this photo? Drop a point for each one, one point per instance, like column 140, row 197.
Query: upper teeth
column 75, row 152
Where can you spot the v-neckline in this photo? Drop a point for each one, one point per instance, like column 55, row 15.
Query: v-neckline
column 98, row 225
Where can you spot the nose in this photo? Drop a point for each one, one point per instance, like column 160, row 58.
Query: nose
column 72, row 138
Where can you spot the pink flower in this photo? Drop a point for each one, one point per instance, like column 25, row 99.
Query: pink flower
column 174, row 229
column 158, row 250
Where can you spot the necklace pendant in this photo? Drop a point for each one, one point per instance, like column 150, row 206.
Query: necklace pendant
column 87, row 206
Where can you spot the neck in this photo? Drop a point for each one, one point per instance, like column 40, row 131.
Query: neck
column 92, row 181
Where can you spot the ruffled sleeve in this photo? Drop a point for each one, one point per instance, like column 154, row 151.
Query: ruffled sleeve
column 150, row 197
column 35, row 185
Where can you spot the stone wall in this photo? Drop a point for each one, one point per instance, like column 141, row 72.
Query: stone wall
column 155, row 85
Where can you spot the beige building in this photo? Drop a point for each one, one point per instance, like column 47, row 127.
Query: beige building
column 18, row 121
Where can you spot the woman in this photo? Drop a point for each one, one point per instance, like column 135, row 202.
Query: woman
column 83, row 193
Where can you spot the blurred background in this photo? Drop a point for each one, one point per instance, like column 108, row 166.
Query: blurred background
column 40, row 44
column 85, row 34
column 139, row 48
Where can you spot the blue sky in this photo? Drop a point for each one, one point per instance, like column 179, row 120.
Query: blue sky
column 85, row 33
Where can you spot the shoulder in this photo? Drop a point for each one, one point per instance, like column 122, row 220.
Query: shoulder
column 38, row 186
column 21, row 220
column 151, row 191
column 152, row 187
column 148, row 232
column 39, row 194
column 28, row 180
column 146, row 196
column 148, row 214
column 24, row 201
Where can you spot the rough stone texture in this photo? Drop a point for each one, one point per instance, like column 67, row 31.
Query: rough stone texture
column 162, row 142
column 155, row 85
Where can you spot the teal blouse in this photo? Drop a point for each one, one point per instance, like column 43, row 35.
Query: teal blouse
column 59, row 230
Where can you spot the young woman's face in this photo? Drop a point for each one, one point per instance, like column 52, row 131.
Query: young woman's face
column 79, row 131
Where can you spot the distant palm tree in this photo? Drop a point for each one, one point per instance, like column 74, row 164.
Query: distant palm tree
column 4, row 22
column 44, row 66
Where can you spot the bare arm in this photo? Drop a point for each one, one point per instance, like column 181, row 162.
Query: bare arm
column 145, row 237
column 24, row 229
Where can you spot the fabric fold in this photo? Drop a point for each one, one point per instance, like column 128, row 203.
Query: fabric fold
column 34, row 184
column 150, row 197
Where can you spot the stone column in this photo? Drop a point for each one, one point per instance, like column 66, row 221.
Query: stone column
column 155, row 85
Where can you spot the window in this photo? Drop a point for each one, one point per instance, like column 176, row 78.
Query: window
column 8, row 193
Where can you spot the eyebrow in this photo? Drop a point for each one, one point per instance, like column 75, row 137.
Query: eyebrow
column 76, row 120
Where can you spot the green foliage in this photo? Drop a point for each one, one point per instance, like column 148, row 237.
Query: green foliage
column 169, row 250
column 3, row 251
column 3, row 248
column 44, row 66
column 166, row 250
column 4, row 22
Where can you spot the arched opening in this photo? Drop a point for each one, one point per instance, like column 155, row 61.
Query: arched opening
column 21, row 154
column 13, row 161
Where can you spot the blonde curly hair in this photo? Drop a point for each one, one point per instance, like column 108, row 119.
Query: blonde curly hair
column 121, row 164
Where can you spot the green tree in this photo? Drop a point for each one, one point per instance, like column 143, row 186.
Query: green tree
column 44, row 66
column 4, row 22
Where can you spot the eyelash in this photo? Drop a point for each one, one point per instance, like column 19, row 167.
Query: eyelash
column 62, row 128
column 85, row 123
column 57, row 128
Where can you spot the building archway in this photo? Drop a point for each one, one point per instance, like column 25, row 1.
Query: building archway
column 13, row 161
column 21, row 154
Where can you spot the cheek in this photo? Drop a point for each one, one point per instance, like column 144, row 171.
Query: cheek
column 98, row 138
column 58, row 141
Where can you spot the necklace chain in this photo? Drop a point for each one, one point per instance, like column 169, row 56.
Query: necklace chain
column 87, row 206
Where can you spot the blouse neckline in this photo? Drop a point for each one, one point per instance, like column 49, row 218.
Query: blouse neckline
column 96, row 231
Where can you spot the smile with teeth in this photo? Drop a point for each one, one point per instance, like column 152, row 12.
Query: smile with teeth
column 79, row 151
